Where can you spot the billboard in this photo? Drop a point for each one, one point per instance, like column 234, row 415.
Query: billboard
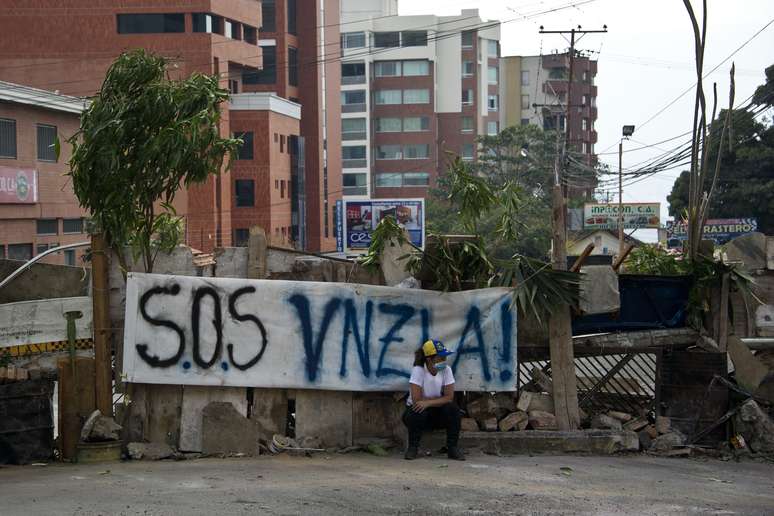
column 635, row 215
column 356, row 220
column 18, row 185
column 718, row 230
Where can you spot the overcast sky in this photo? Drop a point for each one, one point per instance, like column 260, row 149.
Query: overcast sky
column 645, row 62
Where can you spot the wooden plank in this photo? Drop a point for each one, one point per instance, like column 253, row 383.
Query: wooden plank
column 619, row 261
column 76, row 401
column 562, row 355
column 723, row 320
column 102, row 352
column 582, row 258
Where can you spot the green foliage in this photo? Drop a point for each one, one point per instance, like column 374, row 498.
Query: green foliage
column 385, row 232
column 458, row 266
column 5, row 359
column 141, row 139
column 653, row 259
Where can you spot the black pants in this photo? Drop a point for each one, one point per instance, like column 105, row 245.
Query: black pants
column 433, row 418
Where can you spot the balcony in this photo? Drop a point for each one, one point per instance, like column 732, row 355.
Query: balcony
column 353, row 79
column 353, row 108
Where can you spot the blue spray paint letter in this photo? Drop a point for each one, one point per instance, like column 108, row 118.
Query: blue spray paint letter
column 313, row 350
column 506, row 323
column 363, row 345
column 404, row 313
column 473, row 322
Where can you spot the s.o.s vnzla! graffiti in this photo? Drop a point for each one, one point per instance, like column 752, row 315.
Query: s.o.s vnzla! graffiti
column 288, row 334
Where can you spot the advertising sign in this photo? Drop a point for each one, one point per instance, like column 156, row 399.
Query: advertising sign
column 361, row 218
column 339, row 218
column 183, row 330
column 718, row 230
column 635, row 215
column 18, row 185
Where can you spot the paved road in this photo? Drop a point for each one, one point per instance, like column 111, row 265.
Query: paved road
column 364, row 484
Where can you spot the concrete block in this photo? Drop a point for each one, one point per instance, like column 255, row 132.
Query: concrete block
column 524, row 400
column 149, row 451
column 603, row 421
column 194, row 401
column 663, row 425
column 540, row 420
column 270, row 411
column 757, row 427
column 623, row 417
column 599, row 290
column 375, row 415
column 598, row 442
column 481, row 408
column 514, row 421
column 393, row 267
column 749, row 370
column 749, row 249
column 326, row 415
column 668, row 441
column 542, row 402
column 490, row 424
column 468, row 424
column 226, row 431
column 231, row 262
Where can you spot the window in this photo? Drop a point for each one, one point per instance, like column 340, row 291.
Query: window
column 291, row 4
column 525, row 121
column 416, row 179
column 467, row 97
column 467, row 124
column 21, row 252
column 388, row 152
column 233, row 86
column 387, row 68
column 72, row 226
column 41, row 248
column 354, row 152
column 416, row 96
column 493, row 102
column 282, row 188
column 491, row 128
column 416, row 124
column 46, row 142
column 386, row 39
column 586, row 148
column 389, row 180
column 593, row 101
column 467, row 151
column 525, row 102
column 69, row 257
column 250, row 34
column 353, row 73
column 269, row 15
column 150, row 23
column 585, row 124
column 268, row 74
column 558, row 73
column 353, row 40
column 416, row 151
column 246, row 149
column 492, row 49
column 468, row 68
column 387, row 125
column 414, row 38
column 354, row 184
column 241, row 237
column 228, row 29
column 584, row 100
column 382, row 97
column 492, row 74
column 525, row 77
column 245, row 192
column 205, row 22
column 7, row 138
column 353, row 128
column 353, row 97
column 292, row 66
column 282, row 143
column 467, row 38
column 414, row 68
column 47, row 227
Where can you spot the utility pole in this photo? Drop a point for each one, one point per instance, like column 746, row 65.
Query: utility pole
column 621, row 244
column 560, row 326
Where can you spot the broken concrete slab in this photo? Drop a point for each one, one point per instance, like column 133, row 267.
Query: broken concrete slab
column 748, row 370
column 393, row 268
column 226, row 431
column 149, row 451
column 513, row 421
column 542, row 380
column 749, row 250
column 756, row 427
column 490, row 424
column 599, row 290
column 668, row 441
column 326, row 415
column 603, row 421
column 468, row 424
column 598, row 442
column 539, row 420
column 623, row 417
column 524, row 400
column 195, row 399
column 663, row 425
column 636, row 425
column 542, row 402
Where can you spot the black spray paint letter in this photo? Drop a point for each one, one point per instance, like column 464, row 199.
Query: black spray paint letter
column 142, row 349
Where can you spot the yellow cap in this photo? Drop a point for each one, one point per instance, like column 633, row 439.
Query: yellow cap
column 428, row 348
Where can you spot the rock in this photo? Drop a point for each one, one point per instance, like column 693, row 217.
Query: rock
column 505, row 403
column 603, row 421
column 540, row 420
column 758, row 428
column 667, row 442
column 542, row 380
column 105, row 429
column 663, row 424
column 645, row 439
column 89, row 424
column 524, row 400
column 513, row 420
column 149, row 451
column 490, row 425
column 226, row 431
column 541, row 402
column 748, row 369
column 651, row 430
column 481, row 408
column 468, row 424
column 636, row 425
column 623, row 417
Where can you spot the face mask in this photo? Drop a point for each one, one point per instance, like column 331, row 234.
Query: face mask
column 440, row 366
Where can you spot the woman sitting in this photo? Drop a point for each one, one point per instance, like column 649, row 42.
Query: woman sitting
column 430, row 404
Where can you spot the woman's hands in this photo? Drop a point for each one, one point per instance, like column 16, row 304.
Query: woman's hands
column 420, row 406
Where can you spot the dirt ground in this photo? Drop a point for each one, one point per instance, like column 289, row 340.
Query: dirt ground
column 363, row 484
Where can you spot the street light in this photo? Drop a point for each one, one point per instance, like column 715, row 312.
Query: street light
column 626, row 132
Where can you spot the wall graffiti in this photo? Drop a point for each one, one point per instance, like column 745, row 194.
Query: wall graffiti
column 286, row 334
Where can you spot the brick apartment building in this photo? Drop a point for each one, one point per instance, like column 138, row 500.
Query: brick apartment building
column 37, row 206
column 68, row 46
column 413, row 88
column 536, row 88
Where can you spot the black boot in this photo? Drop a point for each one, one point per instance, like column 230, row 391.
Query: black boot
column 411, row 452
column 455, row 453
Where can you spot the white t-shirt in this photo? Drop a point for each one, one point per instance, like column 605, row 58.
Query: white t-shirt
column 432, row 386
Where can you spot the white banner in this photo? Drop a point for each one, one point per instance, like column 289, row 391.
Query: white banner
column 308, row 335
column 43, row 321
